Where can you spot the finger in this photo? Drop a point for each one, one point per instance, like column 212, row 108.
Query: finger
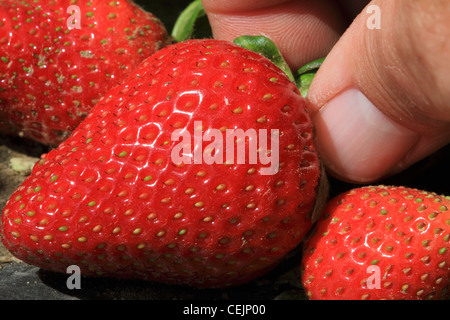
column 302, row 30
column 380, row 100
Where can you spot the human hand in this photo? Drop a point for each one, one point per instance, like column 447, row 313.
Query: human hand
column 380, row 100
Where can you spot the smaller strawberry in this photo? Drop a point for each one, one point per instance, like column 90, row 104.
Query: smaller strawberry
column 380, row 243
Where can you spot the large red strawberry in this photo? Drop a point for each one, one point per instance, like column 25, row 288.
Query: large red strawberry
column 114, row 200
column 58, row 57
column 380, row 243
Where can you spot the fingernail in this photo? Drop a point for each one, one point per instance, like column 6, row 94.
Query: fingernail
column 356, row 141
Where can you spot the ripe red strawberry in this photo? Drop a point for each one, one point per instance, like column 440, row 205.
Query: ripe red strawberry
column 380, row 243
column 111, row 200
column 54, row 67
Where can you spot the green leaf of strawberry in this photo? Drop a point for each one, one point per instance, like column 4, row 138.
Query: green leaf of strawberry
column 264, row 46
column 113, row 200
column 58, row 58
column 380, row 242
column 267, row 48
column 305, row 75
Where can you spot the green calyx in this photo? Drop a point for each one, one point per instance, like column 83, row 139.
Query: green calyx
column 304, row 76
column 267, row 48
column 264, row 46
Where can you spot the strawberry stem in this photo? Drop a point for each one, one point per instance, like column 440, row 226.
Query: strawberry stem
column 267, row 48
column 184, row 25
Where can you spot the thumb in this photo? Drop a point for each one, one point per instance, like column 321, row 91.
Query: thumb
column 380, row 99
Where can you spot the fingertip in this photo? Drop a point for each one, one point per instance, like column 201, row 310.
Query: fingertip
column 425, row 146
column 235, row 6
column 303, row 31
